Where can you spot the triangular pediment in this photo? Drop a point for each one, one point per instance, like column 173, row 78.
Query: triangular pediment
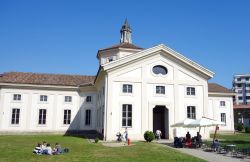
column 162, row 50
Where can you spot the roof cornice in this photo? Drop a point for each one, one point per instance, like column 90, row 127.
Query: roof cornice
column 220, row 94
column 11, row 85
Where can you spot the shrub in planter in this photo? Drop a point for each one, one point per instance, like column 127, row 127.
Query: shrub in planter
column 239, row 127
column 149, row 136
column 247, row 129
column 96, row 140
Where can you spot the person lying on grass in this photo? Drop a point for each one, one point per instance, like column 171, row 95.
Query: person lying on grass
column 38, row 149
column 46, row 149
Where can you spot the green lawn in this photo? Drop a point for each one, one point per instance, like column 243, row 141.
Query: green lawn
column 241, row 140
column 19, row 148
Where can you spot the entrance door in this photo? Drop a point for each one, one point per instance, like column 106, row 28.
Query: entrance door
column 160, row 120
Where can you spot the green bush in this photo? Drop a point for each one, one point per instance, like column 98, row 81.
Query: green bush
column 96, row 140
column 247, row 129
column 149, row 136
column 239, row 127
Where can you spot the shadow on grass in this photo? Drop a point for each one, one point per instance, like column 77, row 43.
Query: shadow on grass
column 75, row 135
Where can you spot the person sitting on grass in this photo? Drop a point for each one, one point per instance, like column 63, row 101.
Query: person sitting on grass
column 38, row 149
column 48, row 150
column 43, row 146
column 57, row 150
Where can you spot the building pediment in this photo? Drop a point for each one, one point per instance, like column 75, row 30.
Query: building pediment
column 164, row 51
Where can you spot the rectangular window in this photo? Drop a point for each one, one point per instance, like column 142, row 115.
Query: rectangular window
column 223, row 117
column 88, row 117
column 248, row 97
column 160, row 90
column 68, row 99
column 43, row 98
column 88, row 99
column 17, row 97
column 239, row 91
column 66, row 116
column 15, row 116
column 238, row 79
column 42, row 116
column 190, row 91
column 127, row 88
column 247, row 91
column 239, row 85
column 191, row 114
column 126, row 115
column 247, row 79
column 247, row 85
column 222, row 103
column 240, row 98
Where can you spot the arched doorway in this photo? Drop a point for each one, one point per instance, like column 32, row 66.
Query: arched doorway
column 161, row 120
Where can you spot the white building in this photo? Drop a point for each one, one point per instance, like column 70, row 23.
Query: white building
column 138, row 89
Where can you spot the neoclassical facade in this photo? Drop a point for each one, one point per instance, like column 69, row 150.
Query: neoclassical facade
column 135, row 88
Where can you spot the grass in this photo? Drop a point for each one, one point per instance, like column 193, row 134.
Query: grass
column 19, row 148
column 241, row 140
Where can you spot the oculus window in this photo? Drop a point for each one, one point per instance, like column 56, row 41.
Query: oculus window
column 159, row 69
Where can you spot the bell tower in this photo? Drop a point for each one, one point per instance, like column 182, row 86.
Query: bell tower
column 123, row 49
column 126, row 33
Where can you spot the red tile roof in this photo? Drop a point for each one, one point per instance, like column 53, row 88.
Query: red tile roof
column 216, row 88
column 122, row 45
column 45, row 79
column 70, row 80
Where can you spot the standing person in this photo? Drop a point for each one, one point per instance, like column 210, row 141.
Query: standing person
column 198, row 139
column 126, row 134
column 158, row 134
column 188, row 140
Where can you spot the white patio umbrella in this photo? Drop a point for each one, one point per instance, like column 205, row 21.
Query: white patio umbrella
column 183, row 123
column 205, row 122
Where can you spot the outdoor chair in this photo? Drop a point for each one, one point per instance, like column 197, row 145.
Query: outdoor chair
column 206, row 148
column 237, row 153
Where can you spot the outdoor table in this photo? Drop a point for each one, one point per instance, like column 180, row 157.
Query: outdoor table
column 230, row 147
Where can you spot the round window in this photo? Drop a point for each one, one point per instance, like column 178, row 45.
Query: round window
column 159, row 69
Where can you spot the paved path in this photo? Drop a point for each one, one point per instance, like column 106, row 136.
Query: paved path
column 208, row 156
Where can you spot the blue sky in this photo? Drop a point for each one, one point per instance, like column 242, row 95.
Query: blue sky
column 57, row 36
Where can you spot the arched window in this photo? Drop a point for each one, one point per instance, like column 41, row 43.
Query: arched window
column 159, row 69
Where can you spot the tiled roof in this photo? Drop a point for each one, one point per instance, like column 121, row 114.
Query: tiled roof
column 216, row 88
column 71, row 80
column 121, row 45
column 247, row 106
column 45, row 79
